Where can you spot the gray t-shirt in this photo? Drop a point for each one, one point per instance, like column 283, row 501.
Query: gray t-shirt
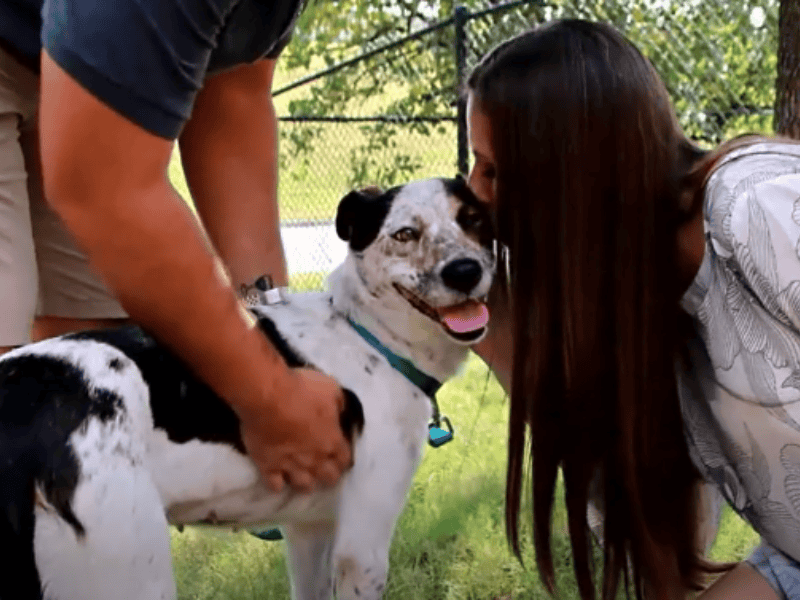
column 147, row 59
column 741, row 402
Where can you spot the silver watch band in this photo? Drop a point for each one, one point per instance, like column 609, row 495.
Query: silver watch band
column 276, row 295
column 261, row 291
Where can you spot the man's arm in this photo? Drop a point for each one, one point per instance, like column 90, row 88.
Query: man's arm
column 229, row 150
column 107, row 178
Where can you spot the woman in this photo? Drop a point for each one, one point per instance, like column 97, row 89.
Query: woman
column 655, row 305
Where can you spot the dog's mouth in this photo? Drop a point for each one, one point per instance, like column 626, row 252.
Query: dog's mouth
column 465, row 322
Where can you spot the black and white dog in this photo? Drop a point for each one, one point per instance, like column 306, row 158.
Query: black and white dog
column 105, row 438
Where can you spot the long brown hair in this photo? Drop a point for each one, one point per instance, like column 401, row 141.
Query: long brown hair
column 593, row 179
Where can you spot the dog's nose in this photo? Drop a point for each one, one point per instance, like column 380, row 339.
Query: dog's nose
column 462, row 274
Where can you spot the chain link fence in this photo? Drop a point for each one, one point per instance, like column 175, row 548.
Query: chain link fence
column 392, row 113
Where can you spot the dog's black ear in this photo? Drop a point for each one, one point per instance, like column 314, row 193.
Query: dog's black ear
column 351, row 419
column 360, row 215
column 346, row 214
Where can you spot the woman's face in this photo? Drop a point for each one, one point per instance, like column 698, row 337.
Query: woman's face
column 482, row 175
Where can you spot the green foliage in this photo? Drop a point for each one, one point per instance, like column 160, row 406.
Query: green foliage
column 368, row 163
column 716, row 60
column 413, row 79
column 718, row 66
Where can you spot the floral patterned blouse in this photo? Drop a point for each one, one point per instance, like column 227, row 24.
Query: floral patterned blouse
column 741, row 402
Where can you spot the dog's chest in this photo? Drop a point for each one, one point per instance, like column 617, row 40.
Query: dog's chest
column 396, row 414
column 328, row 342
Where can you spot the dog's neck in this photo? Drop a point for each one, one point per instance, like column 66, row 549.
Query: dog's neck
column 396, row 324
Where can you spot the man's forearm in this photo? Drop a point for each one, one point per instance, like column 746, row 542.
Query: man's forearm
column 106, row 177
column 170, row 283
column 229, row 152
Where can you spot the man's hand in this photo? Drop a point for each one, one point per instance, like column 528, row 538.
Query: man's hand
column 298, row 440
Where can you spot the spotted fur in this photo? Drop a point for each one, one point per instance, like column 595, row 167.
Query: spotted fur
column 106, row 438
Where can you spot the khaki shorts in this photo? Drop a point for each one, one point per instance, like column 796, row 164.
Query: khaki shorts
column 42, row 272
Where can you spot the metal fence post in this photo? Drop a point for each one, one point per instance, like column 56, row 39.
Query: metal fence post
column 461, row 16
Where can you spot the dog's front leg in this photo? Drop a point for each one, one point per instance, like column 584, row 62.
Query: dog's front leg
column 361, row 553
column 309, row 547
column 361, row 573
column 372, row 498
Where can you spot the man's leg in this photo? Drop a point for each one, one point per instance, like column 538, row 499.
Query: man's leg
column 18, row 274
column 71, row 296
column 38, row 261
column 18, row 277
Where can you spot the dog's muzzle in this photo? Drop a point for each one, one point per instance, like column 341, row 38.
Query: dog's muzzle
column 465, row 322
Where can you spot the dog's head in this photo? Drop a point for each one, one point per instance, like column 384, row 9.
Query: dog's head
column 427, row 244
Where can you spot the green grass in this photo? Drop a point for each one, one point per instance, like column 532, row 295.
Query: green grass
column 450, row 542
column 177, row 178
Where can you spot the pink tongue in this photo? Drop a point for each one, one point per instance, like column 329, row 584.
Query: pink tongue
column 463, row 318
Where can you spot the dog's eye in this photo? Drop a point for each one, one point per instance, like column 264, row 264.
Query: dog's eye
column 471, row 219
column 406, row 234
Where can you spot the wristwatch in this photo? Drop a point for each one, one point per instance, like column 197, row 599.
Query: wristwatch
column 262, row 291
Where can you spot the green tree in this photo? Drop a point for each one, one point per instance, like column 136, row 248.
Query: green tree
column 413, row 82
column 717, row 58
